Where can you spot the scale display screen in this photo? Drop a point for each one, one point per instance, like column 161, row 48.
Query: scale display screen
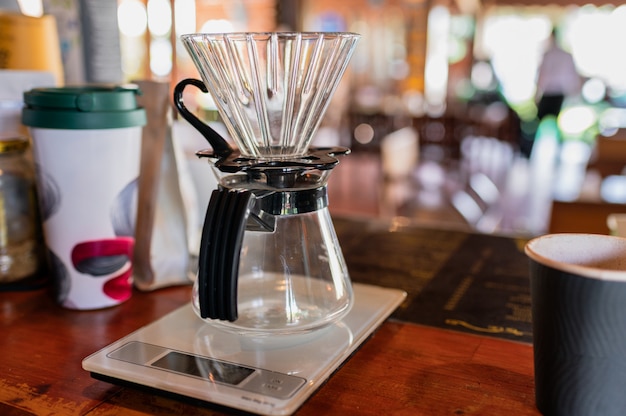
column 206, row 368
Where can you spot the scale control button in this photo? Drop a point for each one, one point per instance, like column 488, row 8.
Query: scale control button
column 272, row 387
column 277, row 385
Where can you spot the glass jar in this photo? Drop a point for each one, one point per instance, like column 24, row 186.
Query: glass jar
column 19, row 235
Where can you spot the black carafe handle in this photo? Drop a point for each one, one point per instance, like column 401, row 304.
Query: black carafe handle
column 217, row 142
column 220, row 250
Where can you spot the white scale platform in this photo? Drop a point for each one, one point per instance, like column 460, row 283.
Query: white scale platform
column 181, row 356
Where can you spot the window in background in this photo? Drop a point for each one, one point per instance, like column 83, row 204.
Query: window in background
column 596, row 36
column 513, row 40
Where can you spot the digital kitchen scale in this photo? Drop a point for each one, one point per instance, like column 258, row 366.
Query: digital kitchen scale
column 180, row 355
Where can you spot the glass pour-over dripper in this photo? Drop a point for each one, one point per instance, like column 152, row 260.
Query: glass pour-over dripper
column 271, row 89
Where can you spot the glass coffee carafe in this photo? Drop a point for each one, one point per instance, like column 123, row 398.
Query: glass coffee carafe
column 269, row 262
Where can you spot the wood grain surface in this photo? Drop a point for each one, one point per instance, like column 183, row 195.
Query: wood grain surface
column 403, row 369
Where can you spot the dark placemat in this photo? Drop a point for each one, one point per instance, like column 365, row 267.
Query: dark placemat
column 483, row 288
column 455, row 280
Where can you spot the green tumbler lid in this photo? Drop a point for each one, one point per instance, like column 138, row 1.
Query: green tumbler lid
column 80, row 108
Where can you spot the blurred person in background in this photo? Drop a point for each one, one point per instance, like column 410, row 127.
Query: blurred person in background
column 557, row 79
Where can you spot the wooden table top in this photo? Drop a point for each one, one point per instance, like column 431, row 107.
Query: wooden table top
column 404, row 368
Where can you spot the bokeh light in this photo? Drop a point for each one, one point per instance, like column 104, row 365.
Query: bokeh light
column 159, row 17
column 132, row 18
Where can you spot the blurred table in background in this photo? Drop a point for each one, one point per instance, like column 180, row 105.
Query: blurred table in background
column 489, row 189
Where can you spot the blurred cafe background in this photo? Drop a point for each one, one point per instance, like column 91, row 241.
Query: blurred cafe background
column 441, row 105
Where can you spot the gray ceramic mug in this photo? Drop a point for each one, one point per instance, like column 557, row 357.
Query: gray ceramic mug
column 578, row 288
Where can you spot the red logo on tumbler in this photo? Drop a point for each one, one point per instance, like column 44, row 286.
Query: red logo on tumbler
column 104, row 257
